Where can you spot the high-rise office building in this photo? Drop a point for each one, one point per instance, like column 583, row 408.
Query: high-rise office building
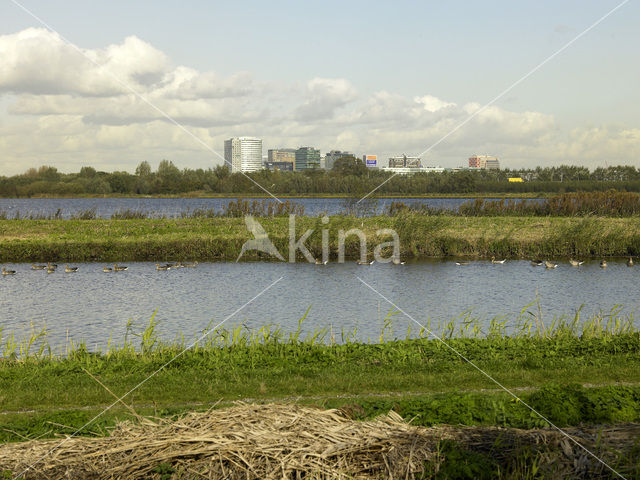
column 280, row 155
column 484, row 161
column 279, row 166
column 244, row 154
column 307, row 158
column 403, row 161
column 331, row 157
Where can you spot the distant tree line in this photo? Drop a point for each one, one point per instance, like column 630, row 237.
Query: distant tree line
column 349, row 177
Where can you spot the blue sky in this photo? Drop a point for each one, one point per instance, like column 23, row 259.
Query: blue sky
column 373, row 60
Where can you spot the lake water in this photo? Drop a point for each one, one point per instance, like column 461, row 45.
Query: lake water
column 174, row 207
column 94, row 306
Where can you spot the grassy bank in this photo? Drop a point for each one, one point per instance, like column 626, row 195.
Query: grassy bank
column 221, row 239
column 575, row 373
column 42, row 393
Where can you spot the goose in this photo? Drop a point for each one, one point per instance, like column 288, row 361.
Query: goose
column 360, row 262
column 493, row 260
column 630, row 262
column 69, row 269
column 537, row 263
column 575, row 263
column 51, row 266
column 396, row 261
column 107, row 269
column 603, row 264
column 462, row 263
column 51, row 269
column 549, row 264
column 116, row 268
column 8, row 272
column 38, row 267
column 163, row 267
column 320, row 262
column 190, row 265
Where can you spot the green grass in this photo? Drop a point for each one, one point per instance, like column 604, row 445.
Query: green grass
column 220, row 239
column 419, row 377
column 564, row 405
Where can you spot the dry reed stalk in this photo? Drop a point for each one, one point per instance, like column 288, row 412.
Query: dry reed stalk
column 288, row 442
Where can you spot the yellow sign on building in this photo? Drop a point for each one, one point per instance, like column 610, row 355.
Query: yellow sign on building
column 515, row 179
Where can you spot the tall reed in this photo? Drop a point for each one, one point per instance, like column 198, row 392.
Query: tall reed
column 145, row 340
column 611, row 203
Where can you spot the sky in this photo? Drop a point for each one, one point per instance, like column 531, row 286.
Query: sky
column 95, row 85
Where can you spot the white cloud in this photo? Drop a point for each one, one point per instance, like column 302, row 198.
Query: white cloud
column 61, row 109
column 189, row 84
column 433, row 104
column 324, row 97
column 38, row 61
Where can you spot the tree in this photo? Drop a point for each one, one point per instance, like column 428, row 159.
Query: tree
column 87, row 172
column 50, row 174
column 168, row 171
column 121, row 182
column 221, row 171
column 349, row 166
column 144, row 169
column 31, row 173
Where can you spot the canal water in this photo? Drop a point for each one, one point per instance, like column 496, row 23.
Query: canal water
column 175, row 207
column 94, row 306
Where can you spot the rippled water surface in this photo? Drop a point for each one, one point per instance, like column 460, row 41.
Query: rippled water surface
column 174, row 207
column 94, row 306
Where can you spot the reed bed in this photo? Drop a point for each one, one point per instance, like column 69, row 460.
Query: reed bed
column 611, row 203
column 280, row 441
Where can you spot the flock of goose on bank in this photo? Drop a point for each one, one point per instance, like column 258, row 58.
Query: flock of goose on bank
column 548, row 264
column 51, row 267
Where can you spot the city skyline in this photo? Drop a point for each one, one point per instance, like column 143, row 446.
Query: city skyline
column 389, row 84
